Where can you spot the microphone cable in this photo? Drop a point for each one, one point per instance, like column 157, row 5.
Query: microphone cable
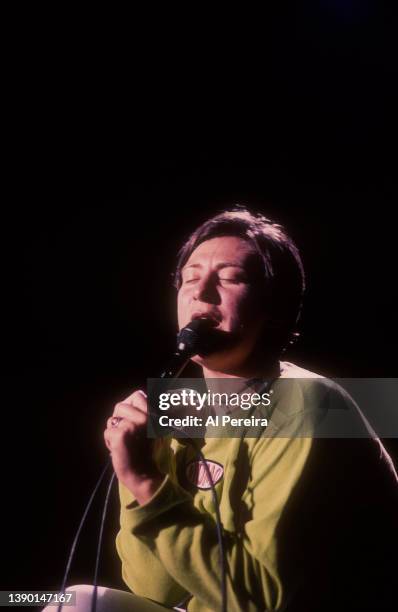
column 219, row 528
column 78, row 532
column 99, row 546
column 188, row 340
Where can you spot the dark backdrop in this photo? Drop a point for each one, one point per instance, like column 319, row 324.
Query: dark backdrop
column 305, row 138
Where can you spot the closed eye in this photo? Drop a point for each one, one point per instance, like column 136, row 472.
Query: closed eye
column 234, row 281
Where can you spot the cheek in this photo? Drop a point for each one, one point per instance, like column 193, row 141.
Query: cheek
column 242, row 309
column 181, row 309
column 237, row 308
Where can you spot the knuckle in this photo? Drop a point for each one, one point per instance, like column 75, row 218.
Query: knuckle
column 138, row 394
column 138, row 399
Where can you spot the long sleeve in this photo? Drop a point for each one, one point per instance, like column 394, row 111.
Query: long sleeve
column 181, row 542
column 142, row 570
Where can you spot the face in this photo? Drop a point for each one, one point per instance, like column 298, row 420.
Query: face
column 218, row 282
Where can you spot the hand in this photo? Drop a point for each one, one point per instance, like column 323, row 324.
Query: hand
column 131, row 450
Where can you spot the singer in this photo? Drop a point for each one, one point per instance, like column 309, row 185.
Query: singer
column 304, row 527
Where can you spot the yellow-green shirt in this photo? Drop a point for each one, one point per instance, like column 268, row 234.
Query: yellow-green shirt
column 284, row 509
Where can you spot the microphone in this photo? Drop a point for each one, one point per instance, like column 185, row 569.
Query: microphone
column 200, row 337
column 191, row 340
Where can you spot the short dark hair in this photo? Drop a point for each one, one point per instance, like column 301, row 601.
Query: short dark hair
column 281, row 266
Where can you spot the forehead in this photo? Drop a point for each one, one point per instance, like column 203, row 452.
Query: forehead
column 221, row 249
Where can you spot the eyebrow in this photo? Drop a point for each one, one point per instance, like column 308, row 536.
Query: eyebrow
column 223, row 264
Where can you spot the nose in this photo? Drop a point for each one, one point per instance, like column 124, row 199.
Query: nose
column 206, row 291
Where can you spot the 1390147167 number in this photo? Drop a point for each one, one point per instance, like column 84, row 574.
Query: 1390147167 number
column 36, row 597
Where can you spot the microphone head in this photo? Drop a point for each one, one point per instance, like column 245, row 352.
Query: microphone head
column 202, row 337
column 192, row 338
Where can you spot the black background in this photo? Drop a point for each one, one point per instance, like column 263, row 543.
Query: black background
column 296, row 123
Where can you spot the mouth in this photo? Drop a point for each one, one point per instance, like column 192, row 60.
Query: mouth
column 213, row 318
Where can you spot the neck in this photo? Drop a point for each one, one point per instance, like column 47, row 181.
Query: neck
column 266, row 369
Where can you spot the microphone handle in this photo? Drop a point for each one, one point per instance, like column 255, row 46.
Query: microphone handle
column 176, row 365
column 188, row 342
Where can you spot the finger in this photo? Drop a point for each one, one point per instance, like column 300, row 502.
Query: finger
column 116, row 436
column 123, row 427
column 138, row 399
column 110, row 423
column 129, row 412
column 107, row 441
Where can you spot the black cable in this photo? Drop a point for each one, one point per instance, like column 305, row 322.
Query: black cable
column 76, row 538
column 219, row 527
column 100, row 537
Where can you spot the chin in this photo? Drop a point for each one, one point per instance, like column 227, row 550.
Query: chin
column 200, row 359
column 220, row 361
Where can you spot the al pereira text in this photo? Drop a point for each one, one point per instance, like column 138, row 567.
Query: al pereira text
column 212, row 421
